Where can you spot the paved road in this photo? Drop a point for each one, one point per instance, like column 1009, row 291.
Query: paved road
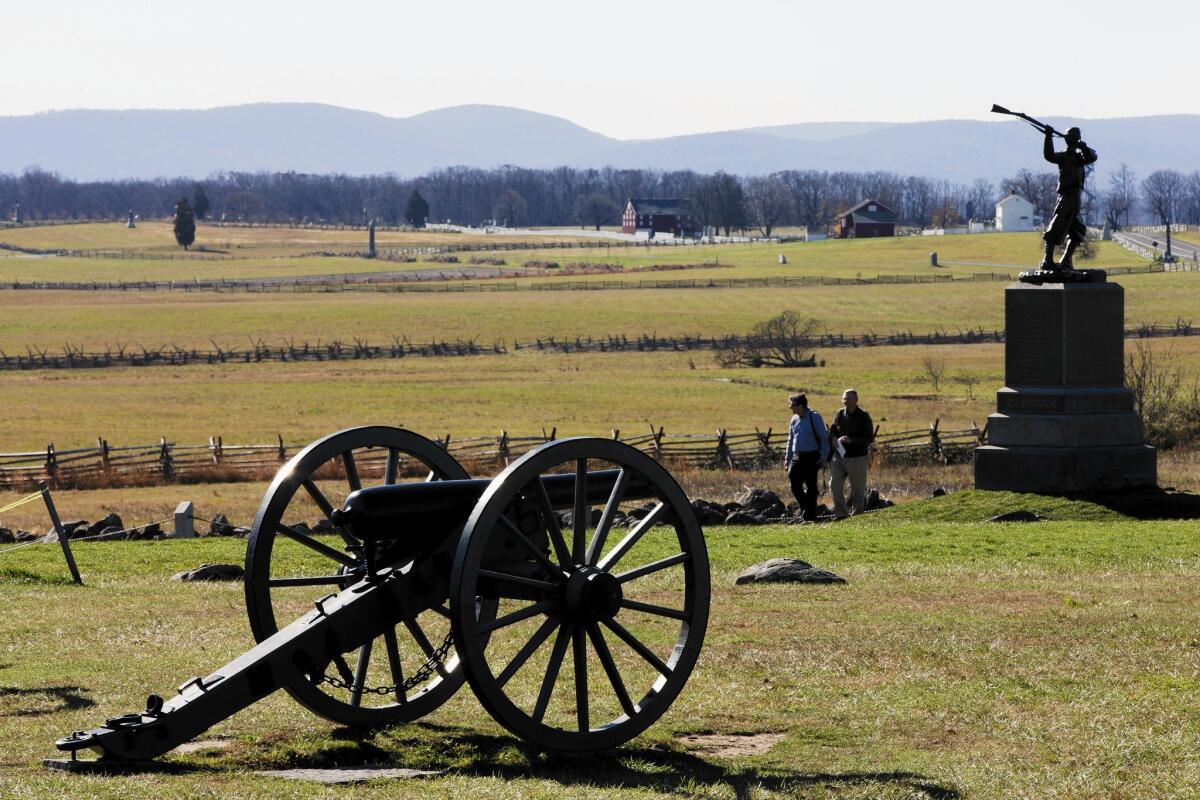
column 1183, row 251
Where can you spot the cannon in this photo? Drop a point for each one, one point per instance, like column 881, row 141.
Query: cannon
column 415, row 579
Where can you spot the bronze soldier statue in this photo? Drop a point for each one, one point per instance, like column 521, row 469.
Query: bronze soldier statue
column 1065, row 227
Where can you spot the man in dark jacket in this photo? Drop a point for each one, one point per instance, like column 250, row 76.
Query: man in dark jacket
column 1065, row 226
column 851, row 433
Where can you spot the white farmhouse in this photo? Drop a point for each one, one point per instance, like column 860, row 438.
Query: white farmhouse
column 1014, row 213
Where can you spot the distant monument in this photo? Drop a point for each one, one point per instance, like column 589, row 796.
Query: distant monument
column 17, row 213
column 371, row 240
column 129, row 221
column 1064, row 420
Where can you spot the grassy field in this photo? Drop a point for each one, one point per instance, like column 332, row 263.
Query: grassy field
column 964, row 659
column 242, row 242
column 273, row 252
column 153, row 319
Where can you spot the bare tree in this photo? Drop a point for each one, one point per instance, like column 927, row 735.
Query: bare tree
column 981, row 200
column 510, row 208
column 595, row 209
column 768, row 203
column 1162, row 191
column 1121, row 197
column 785, row 340
column 970, row 380
column 934, row 369
column 1036, row 187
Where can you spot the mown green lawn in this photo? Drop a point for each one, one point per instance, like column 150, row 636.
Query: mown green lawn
column 964, row 659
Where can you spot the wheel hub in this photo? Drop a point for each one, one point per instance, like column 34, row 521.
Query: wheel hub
column 591, row 595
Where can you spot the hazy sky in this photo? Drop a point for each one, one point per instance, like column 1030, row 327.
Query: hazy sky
column 629, row 70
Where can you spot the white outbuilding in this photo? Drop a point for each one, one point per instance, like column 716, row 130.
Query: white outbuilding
column 1014, row 213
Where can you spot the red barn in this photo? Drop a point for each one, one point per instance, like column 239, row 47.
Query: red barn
column 653, row 216
column 868, row 218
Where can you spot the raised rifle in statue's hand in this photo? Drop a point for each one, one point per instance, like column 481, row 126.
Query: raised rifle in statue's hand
column 1041, row 126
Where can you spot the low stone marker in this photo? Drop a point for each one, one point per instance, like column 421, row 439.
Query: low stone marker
column 185, row 527
column 787, row 570
column 1017, row 516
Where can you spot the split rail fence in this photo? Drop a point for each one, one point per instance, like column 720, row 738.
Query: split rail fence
column 166, row 461
column 72, row 357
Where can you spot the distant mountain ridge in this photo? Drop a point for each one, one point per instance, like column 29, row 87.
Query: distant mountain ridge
column 315, row 138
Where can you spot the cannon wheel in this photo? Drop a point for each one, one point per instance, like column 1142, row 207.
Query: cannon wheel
column 583, row 593
column 313, row 482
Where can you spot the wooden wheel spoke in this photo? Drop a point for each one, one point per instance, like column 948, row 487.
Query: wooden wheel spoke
column 530, row 647
column 606, row 518
column 645, row 524
column 634, row 605
column 546, row 511
column 581, row 687
column 581, row 517
column 551, row 676
column 313, row 544
column 326, row 507
column 636, row 645
column 610, row 668
column 418, row 634
column 315, row 580
column 442, row 611
column 654, row 566
column 393, row 654
column 519, row 580
column 393, row 466
column 531, row 548
column 516, row 616
column 360, row 674
column 351, row 471
column 318, row 497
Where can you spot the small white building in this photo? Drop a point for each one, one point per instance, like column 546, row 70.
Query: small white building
column 1014, row 213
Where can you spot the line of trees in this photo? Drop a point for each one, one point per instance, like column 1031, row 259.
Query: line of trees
column 567, row 196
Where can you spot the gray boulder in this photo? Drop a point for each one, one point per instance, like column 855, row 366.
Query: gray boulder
column 742, row 518
column 221, row 526
column 762, row 502
column 151, row 531
column 210, row 572
column 111, row 521
column 710, row 513
column 6, row 536
column 787, row 570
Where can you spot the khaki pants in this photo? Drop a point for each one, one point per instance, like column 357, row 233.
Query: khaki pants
column 856, row 470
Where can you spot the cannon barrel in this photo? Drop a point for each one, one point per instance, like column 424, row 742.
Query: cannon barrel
column 390, row 512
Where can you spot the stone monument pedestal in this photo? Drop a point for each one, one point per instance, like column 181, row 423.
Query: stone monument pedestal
column 1065, row 421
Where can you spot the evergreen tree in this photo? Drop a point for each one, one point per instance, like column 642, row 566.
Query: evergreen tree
column 416, row 211
column 185, row 224
column 200, row 204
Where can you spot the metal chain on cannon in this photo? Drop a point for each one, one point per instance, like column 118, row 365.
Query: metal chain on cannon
column 425, row 672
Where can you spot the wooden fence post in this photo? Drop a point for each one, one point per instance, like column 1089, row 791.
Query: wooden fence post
column 164, row 459
column 51, row 465
column 935, row 439
column 657, row 438
column 102, row 446
column 723, row 453
column 764, row 439
column 282, row 449
column 502, row 447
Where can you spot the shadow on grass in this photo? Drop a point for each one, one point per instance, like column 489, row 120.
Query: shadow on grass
column 658, row 768
column 70, row 698
column 1146, row 503
column 15, row 575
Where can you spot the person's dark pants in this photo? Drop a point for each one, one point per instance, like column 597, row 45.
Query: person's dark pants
column 1065, row 221
column 802, row 474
